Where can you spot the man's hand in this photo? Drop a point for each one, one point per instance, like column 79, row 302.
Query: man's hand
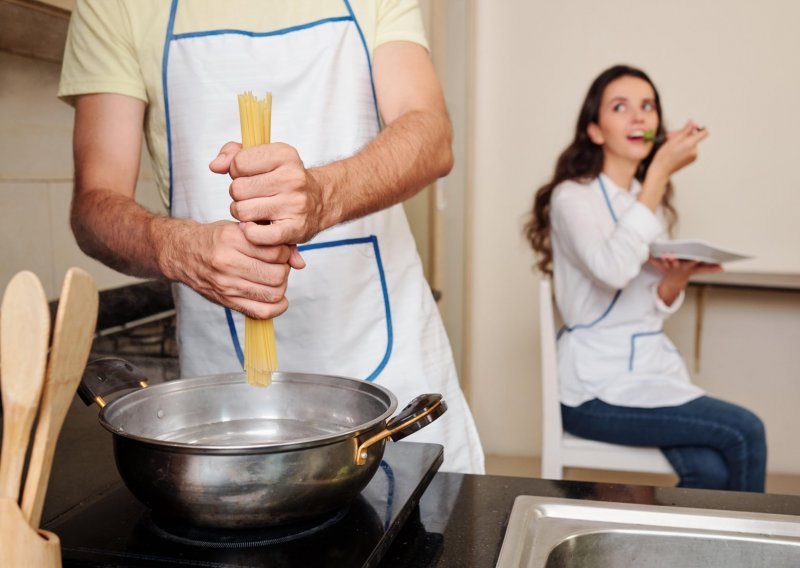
column 271, row 184
column 676, row 273
column 217, row 261
column 277, row 200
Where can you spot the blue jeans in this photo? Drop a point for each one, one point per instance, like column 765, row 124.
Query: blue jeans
column 710, row 443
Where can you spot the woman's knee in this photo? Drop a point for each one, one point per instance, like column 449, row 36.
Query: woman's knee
column 756, row 427
column 753, row 430
column 743, row 425
column 699, row 467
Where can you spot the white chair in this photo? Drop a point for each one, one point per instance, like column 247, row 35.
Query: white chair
column 560, row 449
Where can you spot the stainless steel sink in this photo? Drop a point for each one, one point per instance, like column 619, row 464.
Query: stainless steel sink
column 546, row 532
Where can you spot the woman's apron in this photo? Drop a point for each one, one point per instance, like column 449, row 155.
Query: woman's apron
column 361, row 308
column 622, row 353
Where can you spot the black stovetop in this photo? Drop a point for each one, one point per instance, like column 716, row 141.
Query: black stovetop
column 117, row 530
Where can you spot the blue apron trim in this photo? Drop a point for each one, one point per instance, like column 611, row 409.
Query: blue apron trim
column 608, row 201
column 164, row 60
column 634, row 337
column 618, row 292
column 354, row 241
column 344, row 242
column 234, row 336
column 357, row 241
column 387, row 469
column 588, row 325
column 282, row 31
column 369, row 61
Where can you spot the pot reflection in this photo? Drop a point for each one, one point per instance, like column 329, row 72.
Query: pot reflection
column 346, row 537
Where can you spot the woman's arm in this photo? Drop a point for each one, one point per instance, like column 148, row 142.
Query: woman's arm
column 675, row 275
column 580, row 226
column 615, row 259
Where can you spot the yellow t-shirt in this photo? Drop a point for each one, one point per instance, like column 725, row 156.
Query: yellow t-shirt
column 117, row 46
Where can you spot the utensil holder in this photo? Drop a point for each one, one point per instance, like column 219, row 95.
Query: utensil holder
column 20, row 545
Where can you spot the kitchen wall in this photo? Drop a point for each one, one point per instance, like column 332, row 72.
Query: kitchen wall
column 437, row 215
column 730, row 64
column 36, row 178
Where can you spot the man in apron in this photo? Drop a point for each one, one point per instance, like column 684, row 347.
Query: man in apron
column 332, row 183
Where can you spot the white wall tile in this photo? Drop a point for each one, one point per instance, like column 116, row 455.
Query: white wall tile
column 25, row 233
column 35, row 126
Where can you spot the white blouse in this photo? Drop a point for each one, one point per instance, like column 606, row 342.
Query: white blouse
column 612, row 346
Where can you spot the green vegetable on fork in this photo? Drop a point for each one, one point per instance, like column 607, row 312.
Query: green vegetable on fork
column 650, row 135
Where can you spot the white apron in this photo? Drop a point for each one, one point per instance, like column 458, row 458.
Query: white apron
column 623, row 353
column 361, row 308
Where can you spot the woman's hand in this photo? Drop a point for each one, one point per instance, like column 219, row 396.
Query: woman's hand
column 675, row 275
column 677, row 152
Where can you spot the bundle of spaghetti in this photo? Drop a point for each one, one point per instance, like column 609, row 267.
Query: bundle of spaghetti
column 260, row 354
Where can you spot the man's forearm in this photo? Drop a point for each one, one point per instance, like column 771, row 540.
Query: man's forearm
column 119, row 232
column 410, row 153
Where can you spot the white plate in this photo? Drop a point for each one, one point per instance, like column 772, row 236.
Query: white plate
column 695, row 250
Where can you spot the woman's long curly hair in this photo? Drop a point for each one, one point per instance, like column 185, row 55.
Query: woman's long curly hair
column 583, row 161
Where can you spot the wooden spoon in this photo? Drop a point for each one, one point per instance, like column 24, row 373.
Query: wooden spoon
column 72, row 342
column 24, row 330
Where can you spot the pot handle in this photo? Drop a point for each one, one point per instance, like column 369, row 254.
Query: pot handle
column 416, row 415
column 106, row 376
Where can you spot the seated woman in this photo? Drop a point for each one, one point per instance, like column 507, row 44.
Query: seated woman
column 621, row 379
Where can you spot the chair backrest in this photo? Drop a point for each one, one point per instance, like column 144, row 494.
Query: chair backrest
column 551, row 400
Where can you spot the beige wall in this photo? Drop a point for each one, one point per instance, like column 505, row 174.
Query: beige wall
column 36, row 178
column 732, row 65
column 437, row 215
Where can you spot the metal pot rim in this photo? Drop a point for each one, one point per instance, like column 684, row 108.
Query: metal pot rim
column 320, row 381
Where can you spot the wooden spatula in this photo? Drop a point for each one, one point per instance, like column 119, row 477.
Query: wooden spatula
column 72, row 341
column 24, row 330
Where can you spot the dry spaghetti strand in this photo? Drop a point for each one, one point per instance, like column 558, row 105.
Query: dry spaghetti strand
column 260, row 354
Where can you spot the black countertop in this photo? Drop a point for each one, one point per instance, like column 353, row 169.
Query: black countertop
column 461, row 519
column 467, row 528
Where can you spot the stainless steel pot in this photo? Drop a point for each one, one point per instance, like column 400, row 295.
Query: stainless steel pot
column 217, row 452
